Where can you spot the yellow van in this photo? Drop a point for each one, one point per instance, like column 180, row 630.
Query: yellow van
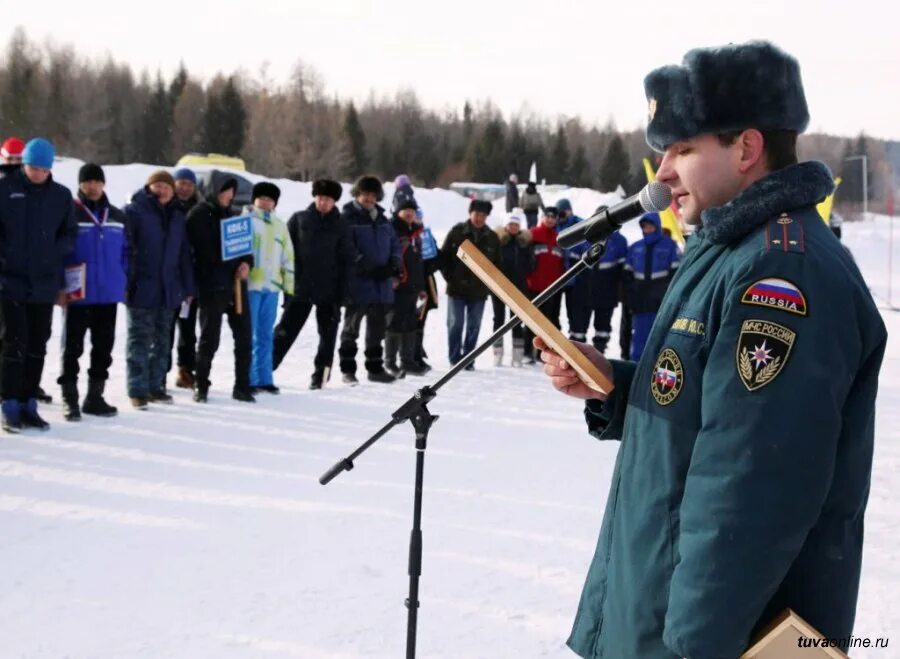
column 211, row 160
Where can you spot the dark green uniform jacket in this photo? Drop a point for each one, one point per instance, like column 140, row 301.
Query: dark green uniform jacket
column 746, row 439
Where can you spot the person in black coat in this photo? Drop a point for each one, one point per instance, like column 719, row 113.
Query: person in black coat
column 160, row 278
column 37, row 230
column 186, row 197
column 373, row 275
column 216, row 292
column 517, row 262
column 409, row 293
column 323, row 254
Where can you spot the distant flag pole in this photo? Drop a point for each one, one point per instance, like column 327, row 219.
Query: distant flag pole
column 824, row 207
column 668, row 217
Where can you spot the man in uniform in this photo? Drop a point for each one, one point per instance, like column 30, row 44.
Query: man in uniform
column 747, row 426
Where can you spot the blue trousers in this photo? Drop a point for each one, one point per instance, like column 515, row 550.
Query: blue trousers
column 642, row 322
column 462, row 312
column 263, row 308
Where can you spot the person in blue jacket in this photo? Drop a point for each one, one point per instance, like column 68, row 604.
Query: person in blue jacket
column 37, row 230
column 649, row 267
column 600, row 293
column 373, row 276
column 160, row 279
column 747, row 426
column 100, row 261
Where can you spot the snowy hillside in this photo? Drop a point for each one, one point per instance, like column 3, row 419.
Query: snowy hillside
column 201, row 531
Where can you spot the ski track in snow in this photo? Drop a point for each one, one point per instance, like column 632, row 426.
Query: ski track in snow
column 201, row 531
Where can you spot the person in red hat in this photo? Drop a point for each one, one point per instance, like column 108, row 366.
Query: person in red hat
column 11, row 155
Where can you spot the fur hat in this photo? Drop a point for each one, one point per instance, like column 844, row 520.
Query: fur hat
column 266, row 189
column 368, row 184
column 720, row 90
column 327, row 188
column 161, row 176
column 481, row 206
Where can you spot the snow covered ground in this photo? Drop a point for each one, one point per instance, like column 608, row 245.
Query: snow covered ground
column 201, row 531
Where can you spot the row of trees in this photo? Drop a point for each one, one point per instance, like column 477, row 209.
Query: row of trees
column 101, row 110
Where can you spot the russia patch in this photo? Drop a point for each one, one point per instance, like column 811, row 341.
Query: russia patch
column 777, row 294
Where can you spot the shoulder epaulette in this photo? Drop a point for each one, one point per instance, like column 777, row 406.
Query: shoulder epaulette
column 785, row 234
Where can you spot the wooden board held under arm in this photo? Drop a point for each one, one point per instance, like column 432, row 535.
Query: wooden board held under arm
column 532, row 317
column 780, row 640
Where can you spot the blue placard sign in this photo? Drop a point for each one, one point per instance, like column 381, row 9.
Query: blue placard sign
column 237, row 237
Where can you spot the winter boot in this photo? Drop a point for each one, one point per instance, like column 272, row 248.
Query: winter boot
column 391, row 349
column 201, row 394
column 140, row 403
column 43, row 396
column 498, row 355
column 420, row 350
column 12, row 416
column 243, row 395
column 185, row 379
column 381, row 376
column 30, row 417
column 161, row 396
column 408, row 363
column 350, row 379
column 319, row 378
column 94, row 403
column 71, row 411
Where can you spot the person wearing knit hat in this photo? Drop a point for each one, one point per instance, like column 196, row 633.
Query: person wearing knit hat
column 161, row 176
column 160, row 280
column 466, row 293
column 372, row 281
column 409, row 294
column 39, row 227
column 764, row 355
column 403, row 193
column 217, row 292
column 272, row 274
column 323, row 254
column 327, row 188
column 11, row 151
column 186, row 197
column 98, row 258
column 517, row 258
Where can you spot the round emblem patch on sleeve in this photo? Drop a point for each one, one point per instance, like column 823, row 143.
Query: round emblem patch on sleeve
column 668, row 377
column 762, row 351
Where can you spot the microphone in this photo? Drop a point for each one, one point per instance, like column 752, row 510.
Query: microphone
column 655, row 196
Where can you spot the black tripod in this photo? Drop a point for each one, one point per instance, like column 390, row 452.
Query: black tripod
column 416, row 410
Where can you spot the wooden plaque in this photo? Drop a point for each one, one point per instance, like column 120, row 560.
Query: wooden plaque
column 532, row 317
column 780, row 641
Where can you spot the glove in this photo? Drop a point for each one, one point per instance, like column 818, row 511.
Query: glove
column 381, row 272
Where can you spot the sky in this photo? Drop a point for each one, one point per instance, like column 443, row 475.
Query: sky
column 556, row 58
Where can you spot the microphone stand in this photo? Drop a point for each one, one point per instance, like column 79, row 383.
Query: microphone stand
column 416, row 411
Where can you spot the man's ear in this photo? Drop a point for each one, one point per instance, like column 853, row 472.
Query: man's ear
column 752, row 150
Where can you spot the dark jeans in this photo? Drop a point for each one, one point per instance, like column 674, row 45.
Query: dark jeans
column 211, row 311
column 531, row 218
column 24, row 331
column 187, row 338
column 463, row 312
column 100, row 319
column 147, row 349
column 375, row 315
column 296, row 312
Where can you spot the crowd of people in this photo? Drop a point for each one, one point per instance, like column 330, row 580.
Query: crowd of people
column 161, row 256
